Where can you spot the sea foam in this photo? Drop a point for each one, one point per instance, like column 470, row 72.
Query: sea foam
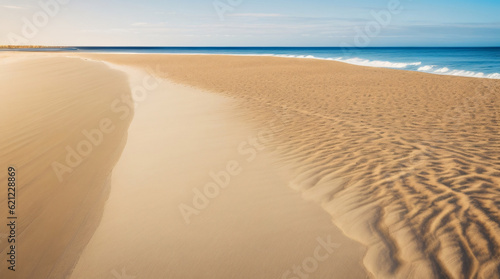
column 432, row 69
column 379, row 64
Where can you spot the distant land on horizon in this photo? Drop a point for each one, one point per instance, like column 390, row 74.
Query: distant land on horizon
column 34, row 46
column 121, row 46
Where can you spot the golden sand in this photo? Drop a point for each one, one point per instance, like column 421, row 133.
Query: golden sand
column 47, row 104
column 254, row 226
column 406, row 163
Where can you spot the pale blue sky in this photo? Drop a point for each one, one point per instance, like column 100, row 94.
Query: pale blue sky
column 250, row 23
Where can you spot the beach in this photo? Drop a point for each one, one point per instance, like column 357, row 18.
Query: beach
column 219, row 166
column 62, row 138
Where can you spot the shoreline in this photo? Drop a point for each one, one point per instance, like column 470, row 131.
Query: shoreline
column 470, row 74
column 497, row 75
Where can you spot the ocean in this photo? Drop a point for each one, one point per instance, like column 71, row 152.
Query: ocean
column 479, row 62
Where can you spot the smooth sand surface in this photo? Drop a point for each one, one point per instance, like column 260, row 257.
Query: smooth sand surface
column 406, row 163
column 254, row 227
column 47, row 102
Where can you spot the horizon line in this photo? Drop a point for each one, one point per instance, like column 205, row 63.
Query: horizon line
column 151, row 46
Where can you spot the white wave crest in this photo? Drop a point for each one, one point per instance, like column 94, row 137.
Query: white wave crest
column 433, row 69
column 463, row 73
column 441, row 70
column 474, row 74
column 298, row 56
column 494, row 75
column 376, row 63
column 426, row 68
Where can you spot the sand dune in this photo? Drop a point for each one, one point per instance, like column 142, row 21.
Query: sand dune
column 254, row 227
column 88, row 223
column 406, row 163
column 47, row 104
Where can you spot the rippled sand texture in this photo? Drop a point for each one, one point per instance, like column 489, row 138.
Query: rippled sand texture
column 406, row 163
column 46, row 104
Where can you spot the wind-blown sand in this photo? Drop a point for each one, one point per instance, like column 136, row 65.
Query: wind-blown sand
column 47, row 102
column 254, row 227
column 406, row 163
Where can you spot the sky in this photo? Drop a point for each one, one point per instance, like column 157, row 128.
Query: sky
column 360, row 23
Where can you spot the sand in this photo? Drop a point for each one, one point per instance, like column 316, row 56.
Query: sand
column 399, row 170
column 257, row 227
column 47, row 102
column 254, row 227
column 406, row 163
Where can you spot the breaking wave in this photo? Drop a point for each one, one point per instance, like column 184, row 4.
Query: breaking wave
column 412, row 66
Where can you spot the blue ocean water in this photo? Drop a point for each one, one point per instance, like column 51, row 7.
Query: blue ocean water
column 481, row 62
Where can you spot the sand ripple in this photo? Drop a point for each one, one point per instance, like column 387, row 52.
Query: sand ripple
column 406, row 163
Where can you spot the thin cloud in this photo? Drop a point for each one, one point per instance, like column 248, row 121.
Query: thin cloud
column 147, row 24
column 13, row 7
column 258, row 15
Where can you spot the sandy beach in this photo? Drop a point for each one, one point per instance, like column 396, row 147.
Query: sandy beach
column 213, row 166
column 63, row 139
